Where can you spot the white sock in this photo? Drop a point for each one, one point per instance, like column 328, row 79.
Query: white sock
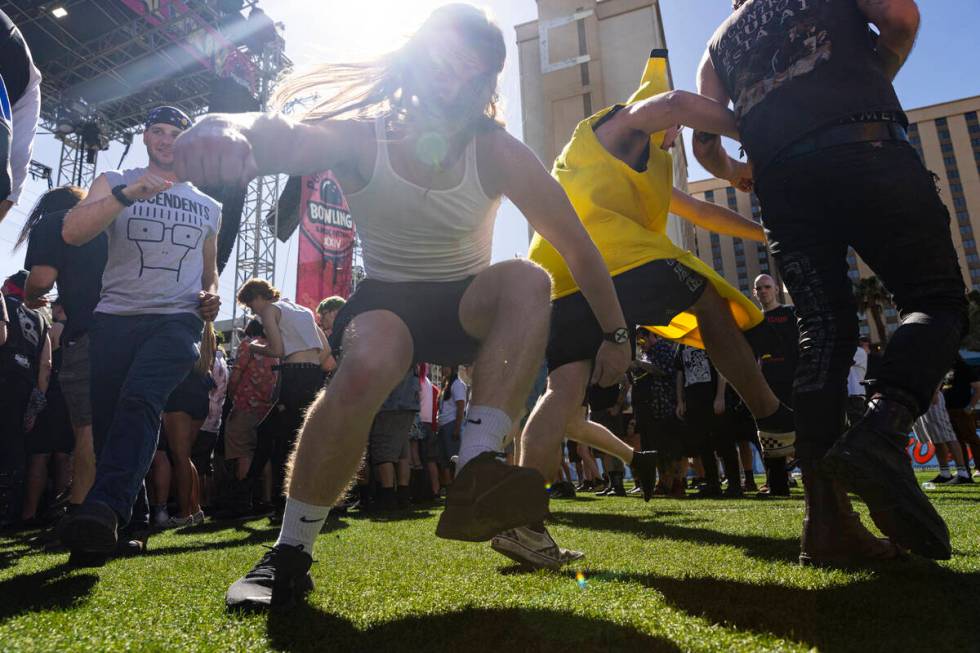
column 965, row 473
column 301, row 523
column 484, row 429
column 944, row 471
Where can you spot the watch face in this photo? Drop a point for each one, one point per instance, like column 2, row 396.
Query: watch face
column 621, row 336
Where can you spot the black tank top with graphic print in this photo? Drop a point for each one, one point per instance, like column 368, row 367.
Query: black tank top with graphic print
column 795, row 66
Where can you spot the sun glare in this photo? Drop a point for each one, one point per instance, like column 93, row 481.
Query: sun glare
column 350, row 31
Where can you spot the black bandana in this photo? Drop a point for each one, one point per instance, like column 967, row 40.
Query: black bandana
column 168, row 116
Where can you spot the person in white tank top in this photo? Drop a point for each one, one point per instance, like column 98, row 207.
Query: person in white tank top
column 414, row 143
column 295, row 339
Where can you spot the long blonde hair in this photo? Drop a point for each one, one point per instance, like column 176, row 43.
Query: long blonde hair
column 209, row 343
column 385, row 85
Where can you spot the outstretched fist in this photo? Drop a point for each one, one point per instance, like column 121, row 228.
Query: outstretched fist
column 214, row 152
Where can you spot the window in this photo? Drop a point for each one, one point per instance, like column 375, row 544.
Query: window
column 969, row 244
column 966, row 229
column 950, row 161
column 940, row 122
column 972, row 258
column 709, row 196
column 956, row 188
column 953, row 174
column 946, row 147
column 959, row 202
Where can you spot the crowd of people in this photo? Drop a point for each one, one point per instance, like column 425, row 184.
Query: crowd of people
column 608, row 353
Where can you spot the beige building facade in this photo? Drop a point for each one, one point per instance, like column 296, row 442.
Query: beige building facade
column 579, row 57
column 947, row 137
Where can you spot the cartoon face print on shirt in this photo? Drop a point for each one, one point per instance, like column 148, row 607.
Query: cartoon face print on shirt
column 165, row 229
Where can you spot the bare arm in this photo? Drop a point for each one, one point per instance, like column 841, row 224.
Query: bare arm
column 715, row 218
column 273, row 336
column 544, row 203
column 707, row 145
column 4, row 320
column 44, row 369
column 209, row 302
column 680, row 108
column 100, row 207
column 40, row 281
column 228, row 149
column 898, row 24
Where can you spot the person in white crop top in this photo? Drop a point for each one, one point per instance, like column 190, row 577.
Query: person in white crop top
column 293, row 337
column 429, row 172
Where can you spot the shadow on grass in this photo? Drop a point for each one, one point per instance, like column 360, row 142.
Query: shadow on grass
column 263, row 535
column 306, row 628
column 780, row 549
column 883, row 612
column 50, row 589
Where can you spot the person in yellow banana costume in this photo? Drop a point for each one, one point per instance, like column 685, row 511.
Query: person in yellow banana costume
column 617, row 172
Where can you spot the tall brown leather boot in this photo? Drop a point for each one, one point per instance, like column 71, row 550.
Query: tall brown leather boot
column 832, row 531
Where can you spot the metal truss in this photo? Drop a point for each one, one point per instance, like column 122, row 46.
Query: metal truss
column 72, row 166
column 255, row 248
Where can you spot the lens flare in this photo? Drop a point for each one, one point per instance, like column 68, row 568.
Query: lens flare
column 580, row 579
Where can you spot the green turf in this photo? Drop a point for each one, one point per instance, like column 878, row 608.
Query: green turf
column 664, row 576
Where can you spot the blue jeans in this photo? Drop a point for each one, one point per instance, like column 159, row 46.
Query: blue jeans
column 136, row 362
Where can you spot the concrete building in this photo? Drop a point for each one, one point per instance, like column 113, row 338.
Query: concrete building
column 947, row 137
column 580, row 56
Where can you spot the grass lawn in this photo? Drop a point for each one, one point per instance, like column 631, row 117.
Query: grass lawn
column 664, row 576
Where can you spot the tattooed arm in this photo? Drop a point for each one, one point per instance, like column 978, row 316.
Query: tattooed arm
column 898, row 22
column 707, row 146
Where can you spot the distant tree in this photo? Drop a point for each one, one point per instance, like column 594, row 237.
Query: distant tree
column 872, row 298
column 971, row 340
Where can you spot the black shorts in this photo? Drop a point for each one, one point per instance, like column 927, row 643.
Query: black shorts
column 192, row 396
column 651, row 294
column 430, row 310
column 52, row 432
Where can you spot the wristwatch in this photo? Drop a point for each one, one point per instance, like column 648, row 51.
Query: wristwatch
column 619, row 336
column 117, row 192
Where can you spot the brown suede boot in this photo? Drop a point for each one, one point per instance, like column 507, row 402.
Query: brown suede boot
column 832, row 531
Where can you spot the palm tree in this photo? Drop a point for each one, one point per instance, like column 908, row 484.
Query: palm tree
column 871, row 298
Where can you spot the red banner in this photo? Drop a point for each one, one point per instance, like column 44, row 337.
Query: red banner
column 326, row 241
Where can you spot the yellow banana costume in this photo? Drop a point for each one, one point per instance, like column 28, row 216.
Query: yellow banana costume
column 625, row 213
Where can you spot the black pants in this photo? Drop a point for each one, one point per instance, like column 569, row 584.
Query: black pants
column 879, row 199
column 13, row 453
column 298, row 387
column 714, row 437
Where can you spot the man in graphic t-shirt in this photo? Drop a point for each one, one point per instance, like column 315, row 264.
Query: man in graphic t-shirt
column 819, row 118
column 160, row 281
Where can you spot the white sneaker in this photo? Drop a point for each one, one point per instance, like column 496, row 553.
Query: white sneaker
column 179, row 522
column 161, row 518
column 533, row 549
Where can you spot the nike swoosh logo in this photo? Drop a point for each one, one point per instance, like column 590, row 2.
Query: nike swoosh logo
column 310, row 521
column 475, row 421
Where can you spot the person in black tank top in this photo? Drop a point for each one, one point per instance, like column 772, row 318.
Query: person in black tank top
column 812, row 87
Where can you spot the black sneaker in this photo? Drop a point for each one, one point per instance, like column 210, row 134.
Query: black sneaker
column 708, row 491
column 941, row 480
column 489, row 497
column 871, row 461
column 90, row 529
column 280, row 578
column 959, row 480
column 777, row 433
column 133, row 543
column 645, row 471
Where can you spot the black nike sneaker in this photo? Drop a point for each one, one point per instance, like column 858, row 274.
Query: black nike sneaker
column 278, row 580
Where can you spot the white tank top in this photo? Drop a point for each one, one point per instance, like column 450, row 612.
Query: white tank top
column 298, row 327
column 412, row 233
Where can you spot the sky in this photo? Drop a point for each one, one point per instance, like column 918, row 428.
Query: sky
column 942, row 67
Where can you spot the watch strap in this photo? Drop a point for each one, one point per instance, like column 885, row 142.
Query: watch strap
column 117, row 192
